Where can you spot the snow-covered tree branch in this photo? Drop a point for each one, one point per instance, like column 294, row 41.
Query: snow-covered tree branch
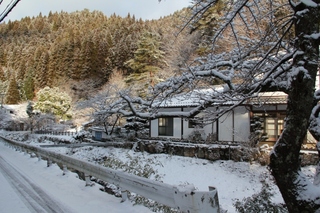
column 256, row 46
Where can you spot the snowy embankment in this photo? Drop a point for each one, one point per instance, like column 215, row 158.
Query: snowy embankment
column 234, row 180
column 38, row 188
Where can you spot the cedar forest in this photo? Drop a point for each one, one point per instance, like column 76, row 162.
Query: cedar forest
column 79, row 51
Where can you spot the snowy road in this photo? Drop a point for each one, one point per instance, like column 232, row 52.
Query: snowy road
column 33, row 197
column 29, row 186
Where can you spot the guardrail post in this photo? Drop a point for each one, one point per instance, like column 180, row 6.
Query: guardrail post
column 64, row 169
column 214, row 192
column 49, row 162
column 33, row 155
column 87, row 179
column 124, row 196
column 192, row 201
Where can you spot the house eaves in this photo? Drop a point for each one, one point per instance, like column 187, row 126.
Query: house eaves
column 269, row 98
column 196, row 98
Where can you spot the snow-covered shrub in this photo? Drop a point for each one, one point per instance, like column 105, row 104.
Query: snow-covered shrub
column 264, row 156
column 134, row 166
column 197, row 135
column 131, row 137
column 309, row 158
column 159, row 147
column 256, row 130
column 138, row 125
column 80, row 136
column 212, row 137
column 260, row 202
column 53, row 101
column 10, row 125
column 249, row 152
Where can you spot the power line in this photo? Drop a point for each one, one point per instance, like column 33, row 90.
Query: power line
column 8, row 9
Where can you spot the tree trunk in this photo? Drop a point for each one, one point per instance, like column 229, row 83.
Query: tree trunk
column 298, row 193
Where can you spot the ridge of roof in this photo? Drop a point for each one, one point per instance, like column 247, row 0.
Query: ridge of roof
column 194, row 98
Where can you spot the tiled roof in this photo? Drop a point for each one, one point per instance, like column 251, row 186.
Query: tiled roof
column 180, row 103
column 268, row 100
column 193, row 99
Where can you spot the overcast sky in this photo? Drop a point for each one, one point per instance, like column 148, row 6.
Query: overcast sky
column 145, row 9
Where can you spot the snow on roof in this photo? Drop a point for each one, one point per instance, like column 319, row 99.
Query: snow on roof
column 19, row 110
column 180, row 101
column 270, row 98
column 97, row 128
column 88, row 122
column 192, row 98
column 196, row 97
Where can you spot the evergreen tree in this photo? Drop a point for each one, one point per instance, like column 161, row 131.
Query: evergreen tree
column 3, row 86
column 56, row 22
column 53, row 64
column 36, row 57
column 3, row 57
column 42, row 78
column 12, row 93
column 2, row 75
column 28, row 86
column 21, row 70
column 209, row 20
column 88, row 59
column 148, row 59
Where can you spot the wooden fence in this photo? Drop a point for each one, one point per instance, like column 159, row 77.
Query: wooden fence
column 46, row 132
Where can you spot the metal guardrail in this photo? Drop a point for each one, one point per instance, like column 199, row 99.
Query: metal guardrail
column 185, row 199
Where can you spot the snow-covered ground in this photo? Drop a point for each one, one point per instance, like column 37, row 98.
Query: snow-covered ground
column 67, row 192
column 234, row 180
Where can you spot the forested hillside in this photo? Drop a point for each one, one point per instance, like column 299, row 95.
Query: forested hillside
column 79, row 51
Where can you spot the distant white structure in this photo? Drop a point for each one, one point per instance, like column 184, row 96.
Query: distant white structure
column 17, row 111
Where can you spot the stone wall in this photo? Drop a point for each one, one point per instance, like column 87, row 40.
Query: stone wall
column 209, row 152
column 214, row 152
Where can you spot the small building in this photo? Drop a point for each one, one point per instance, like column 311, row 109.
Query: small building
column 98, row 134
column 238, row 125
column 231, row 127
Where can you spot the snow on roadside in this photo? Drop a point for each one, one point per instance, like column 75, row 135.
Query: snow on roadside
column 69, row 191
column 233, row 180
